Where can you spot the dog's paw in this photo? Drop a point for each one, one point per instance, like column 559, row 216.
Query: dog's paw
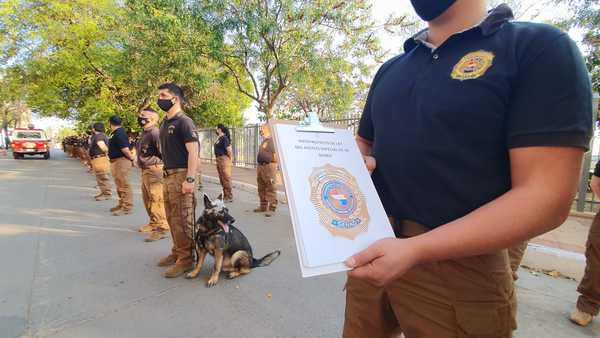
column 191, row 275
column 212, row 282
column 233, row 275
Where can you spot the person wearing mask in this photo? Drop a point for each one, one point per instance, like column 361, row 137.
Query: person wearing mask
column 121, row 161
column 474, row 137
column 224, row 156
column 149, row 160
column 99, row 161
column 179, row 148
column 266, row 172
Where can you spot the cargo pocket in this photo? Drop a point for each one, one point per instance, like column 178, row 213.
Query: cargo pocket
column 481, row 320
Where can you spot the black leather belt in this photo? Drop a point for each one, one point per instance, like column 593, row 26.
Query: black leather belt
column 174, row 171
column 407, row 228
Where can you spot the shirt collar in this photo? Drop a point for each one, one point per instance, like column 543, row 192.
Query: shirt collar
column 492, row 23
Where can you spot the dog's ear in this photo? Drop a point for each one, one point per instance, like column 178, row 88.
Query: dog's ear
column 207, row 202
column 220, row 197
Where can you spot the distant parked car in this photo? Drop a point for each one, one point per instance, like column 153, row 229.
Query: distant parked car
column 29, row 142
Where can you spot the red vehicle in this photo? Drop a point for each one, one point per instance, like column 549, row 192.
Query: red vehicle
column 29, row 142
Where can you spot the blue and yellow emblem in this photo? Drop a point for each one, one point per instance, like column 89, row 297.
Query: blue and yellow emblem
column 339, row 203
column 473, row 65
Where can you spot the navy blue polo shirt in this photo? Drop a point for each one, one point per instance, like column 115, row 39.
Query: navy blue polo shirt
column 442, row 120
column 118, row 141
column 221, row 146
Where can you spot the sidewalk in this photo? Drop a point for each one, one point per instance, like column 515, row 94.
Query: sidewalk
column 242, row 178
column 559, row 250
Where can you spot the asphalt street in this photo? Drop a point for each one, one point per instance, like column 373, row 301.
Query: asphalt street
column 68, row 268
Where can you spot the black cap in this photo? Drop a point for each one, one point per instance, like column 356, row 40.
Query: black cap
column 115, row 120
column 98, row 126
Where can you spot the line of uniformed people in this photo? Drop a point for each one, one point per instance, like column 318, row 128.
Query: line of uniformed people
column 168, row 156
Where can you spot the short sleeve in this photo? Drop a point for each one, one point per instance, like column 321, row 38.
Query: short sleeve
column 188, row 131
column 365, row 127
column 551, row 103
column 226, row 142
column 156, row 139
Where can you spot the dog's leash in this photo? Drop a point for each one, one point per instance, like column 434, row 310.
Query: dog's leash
column 193, row 222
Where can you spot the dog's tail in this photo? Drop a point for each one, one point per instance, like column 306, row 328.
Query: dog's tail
column 266, row 259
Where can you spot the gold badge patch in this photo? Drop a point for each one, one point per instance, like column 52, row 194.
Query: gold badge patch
column 341, row 206
column 473, row 65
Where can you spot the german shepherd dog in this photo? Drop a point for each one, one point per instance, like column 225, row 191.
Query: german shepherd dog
column 215, row 235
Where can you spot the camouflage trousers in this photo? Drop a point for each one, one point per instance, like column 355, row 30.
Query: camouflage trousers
column 589, row 288
column 120, row 169
column 153, row 196
column 101, row 168
column 265, row 179
column 180, row 209
column 83, row 156
column 224, row 170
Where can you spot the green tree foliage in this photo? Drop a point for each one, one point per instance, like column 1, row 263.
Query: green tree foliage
column 283, row 46
column 88, row 60
column 587, row 18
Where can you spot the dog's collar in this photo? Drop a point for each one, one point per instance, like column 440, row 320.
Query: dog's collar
column 222, row 227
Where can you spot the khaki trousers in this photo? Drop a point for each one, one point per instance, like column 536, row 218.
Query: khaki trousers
column 83, row 156
column 515, row 255
column 153, row 196
column 589, row 288
column 180, row 210
column 224, row 170
column 120, row 169
column 265, row 179
column 467, row 297
column 101, row 167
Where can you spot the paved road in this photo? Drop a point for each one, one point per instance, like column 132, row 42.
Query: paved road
column 70, row 269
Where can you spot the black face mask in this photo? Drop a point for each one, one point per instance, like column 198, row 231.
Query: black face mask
column 142, row 121
column 431, row 9
column 165, row 104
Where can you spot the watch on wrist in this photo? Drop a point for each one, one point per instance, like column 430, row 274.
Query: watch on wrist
column 190, row 179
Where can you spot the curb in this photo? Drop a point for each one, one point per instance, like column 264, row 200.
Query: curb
column 244, row 187
column 570, row 264
column 583, row 214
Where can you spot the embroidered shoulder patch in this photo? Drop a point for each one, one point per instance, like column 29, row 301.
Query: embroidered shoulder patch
column 473, row 65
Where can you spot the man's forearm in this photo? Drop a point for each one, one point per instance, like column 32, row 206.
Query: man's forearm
column 518, row 215
column 127, row 154
column 192, row 160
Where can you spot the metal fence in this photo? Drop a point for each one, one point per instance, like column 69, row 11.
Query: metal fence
column 246, row 140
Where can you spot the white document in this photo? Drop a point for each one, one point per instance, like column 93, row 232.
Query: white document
column 335, row 209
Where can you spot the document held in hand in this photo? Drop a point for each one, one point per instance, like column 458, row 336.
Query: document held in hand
column 334, row 206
